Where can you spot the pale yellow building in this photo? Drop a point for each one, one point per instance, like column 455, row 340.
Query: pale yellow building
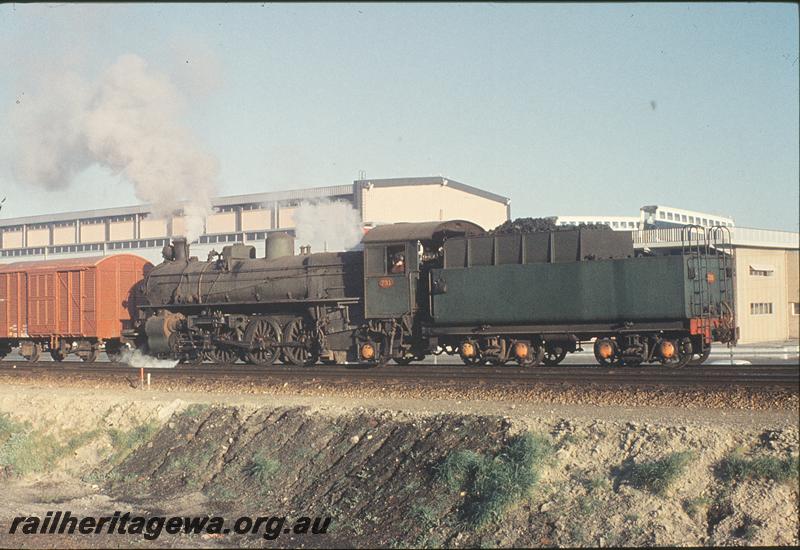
column 244, row 218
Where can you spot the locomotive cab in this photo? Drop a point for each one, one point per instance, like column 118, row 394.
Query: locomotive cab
column 395, row 256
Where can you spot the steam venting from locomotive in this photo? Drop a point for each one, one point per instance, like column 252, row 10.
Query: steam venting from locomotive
column 127, row 121
column 327, row 226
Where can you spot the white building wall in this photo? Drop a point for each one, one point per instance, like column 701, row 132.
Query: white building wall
column 429, row 203
column 38, row 237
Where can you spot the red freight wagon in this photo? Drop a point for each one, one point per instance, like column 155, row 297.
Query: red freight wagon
column 74, row 305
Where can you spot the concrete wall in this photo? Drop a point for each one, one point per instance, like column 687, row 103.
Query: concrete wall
column 64, row 235
column 12, row 239
column 38, row 237
column 152, row 228
column 793, row 291
column 755, row 289
column 121, row 231
column 429, row 203
column 224, row 222
column 93, row 233
column 256, row 219
column 286, row 217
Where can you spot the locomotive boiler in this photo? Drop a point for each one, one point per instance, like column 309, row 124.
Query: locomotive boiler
column 298, row 308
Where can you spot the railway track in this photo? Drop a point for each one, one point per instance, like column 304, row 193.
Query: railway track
column 713, row 376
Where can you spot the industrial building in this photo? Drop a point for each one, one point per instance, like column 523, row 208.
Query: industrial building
column 243, row 218
column 767, row 279
column 650, row 217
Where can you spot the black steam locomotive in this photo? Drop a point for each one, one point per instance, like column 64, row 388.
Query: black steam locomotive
column 433, row 287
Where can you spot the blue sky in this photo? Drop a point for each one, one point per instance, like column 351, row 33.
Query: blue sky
column 567, row 109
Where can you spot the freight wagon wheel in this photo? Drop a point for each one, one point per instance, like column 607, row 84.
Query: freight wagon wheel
column 265, row 336
column 553, row 355
column 91, row 356
column 58, row 354
column 36, row 351
column 700, row 358
column 298, row 333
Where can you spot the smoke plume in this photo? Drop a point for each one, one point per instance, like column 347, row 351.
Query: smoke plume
column 327, row 226
column 128, row 121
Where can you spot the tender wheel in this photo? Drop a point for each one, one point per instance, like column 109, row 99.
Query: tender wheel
column 265, row 336
column 470, row 353
column 606, row 352
column 297, row 332
column 533, row 358
column 675, row 354
column 554, row 354
column 701, row 358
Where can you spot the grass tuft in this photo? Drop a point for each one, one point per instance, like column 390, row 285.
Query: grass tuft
column 658, row 475
column 262, row 469
column 737, row 467
column 24, row 450
column 492, row 484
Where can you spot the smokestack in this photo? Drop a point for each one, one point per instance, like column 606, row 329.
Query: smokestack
column 181, row 248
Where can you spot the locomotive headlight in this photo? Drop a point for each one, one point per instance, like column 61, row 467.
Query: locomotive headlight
column 521, row 350
column 367, row 351
column 667, row 349
column 467, row 349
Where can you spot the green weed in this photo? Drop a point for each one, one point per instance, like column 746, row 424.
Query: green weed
column 492, row 484
column 737, row 467
column 262, row 469
column 657, row 475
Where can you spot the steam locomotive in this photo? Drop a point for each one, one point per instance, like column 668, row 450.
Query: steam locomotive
column 441, row 287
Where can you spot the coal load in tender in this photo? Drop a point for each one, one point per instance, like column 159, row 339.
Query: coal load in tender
column 537, row 225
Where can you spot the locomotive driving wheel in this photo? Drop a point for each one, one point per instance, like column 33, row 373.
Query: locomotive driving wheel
column 700, row 358
column 300, row 337
column 221, row 353
column 264, row 337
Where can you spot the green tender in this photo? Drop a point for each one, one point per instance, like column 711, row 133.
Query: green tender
column 635, row 289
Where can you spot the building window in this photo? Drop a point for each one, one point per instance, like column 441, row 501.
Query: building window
column 761, row 270
column 794, row 307
column 661, row 215
column 669, row 215
column 761, row 308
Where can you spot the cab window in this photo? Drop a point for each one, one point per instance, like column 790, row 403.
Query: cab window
column 396, row 259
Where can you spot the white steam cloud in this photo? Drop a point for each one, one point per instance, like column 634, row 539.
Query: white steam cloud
column 327, row 226
column 138, row 360
column 128, row 121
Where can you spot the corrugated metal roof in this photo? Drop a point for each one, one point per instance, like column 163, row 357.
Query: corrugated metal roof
column 62, row 263
column 422, row 231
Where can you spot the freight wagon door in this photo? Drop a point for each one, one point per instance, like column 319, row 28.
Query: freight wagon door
column 70, row 303
column 41, row 303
